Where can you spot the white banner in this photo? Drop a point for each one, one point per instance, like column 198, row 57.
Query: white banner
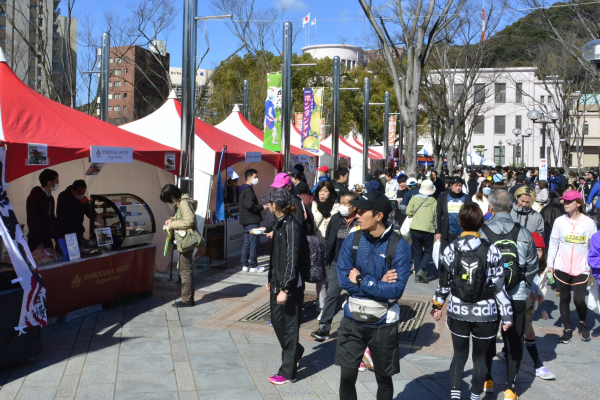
column 543, row 170
column 33, row 308
column 109, row 154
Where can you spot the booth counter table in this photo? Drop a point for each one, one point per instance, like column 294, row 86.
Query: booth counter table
column 74, row 285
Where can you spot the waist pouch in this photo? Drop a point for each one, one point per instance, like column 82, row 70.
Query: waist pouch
column 367, row 310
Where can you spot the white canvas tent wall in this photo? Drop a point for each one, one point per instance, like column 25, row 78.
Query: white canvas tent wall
column 475, row 159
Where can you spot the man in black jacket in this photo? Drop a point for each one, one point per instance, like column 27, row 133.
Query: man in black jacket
column 340, row 226
column 71, row 207
column 438, row 183
column 341, row 182
column 41, row 220
column 449, row 204
column 250, row 217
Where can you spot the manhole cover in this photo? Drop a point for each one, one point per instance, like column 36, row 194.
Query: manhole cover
column 262, row 315
column 411, row 316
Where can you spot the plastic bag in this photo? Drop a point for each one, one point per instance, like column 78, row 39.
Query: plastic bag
column 593, row 300
column 436, row 253
column 405, row 228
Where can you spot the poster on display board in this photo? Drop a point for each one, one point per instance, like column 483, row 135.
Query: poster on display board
column 272, row 123
column 311, row 119
column 170, row 161
column 72, row 246
column 37, row 154
column 543, row 170
column 33, row 308
column 104, row 236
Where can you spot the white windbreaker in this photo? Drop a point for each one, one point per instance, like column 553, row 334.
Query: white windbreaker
column 570, row 244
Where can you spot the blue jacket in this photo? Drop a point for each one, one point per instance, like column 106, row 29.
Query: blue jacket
column 321, row 179
column 373, row 186
column 594, row 193
column 370, row 261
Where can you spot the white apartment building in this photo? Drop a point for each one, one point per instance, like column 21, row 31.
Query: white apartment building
column 505, row 96
column 350, row 56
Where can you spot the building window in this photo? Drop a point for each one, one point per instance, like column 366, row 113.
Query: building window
column 499, row 155
column 3, row 27
column 117, row 96
column 109, row 108
column 479, row 94
column 126, row 83
column 458, row 91
column 110, row 96
column 117, row 108
column 118, row 60
column 541, row 99
column 519, row 97
column 586, row 129
column 500, row 125
column 124, row 108
column 118, row 84
column 2, row 14
column 125, row 70
column 500, row 92
column 479, row 125
column 124, row 95
column 116, row 121
column 518, row 121
column 110, row 60
column 550, row 99
column 117, row 72
column 570, row 104
column 110, row 84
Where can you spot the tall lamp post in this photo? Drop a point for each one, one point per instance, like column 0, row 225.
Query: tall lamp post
column 517, row 133
column 528, row 133
column 591, row 52
column 514, row 144
column 536, row 116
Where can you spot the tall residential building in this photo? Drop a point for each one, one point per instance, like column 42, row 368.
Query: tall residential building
column 138, row 84
column 503, row 97
column 585, row 120
column 27, row 29
column 64, row 71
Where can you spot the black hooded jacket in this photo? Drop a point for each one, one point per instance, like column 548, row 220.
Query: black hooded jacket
column 286, row 254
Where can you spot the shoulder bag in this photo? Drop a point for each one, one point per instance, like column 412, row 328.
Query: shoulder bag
column 188, row 239
column 405, row 228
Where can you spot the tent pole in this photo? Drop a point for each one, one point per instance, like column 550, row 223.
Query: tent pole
column 226, row 244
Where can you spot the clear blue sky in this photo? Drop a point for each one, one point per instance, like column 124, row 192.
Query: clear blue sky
column 222, row 42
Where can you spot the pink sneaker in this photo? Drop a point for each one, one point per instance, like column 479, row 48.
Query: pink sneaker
column 280, row 380
column 367, row 360
column 362, row 367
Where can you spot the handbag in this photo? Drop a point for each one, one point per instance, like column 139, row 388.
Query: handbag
column 405, row 228
column 188, row 239
column 316, row 271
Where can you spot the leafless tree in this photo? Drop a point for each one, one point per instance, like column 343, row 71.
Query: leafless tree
column 416, row 25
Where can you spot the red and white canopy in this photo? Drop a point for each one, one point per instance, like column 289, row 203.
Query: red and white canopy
column 373, row 154
column 325, row 146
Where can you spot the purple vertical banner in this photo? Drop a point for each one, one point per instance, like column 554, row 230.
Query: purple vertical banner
column 309, row 106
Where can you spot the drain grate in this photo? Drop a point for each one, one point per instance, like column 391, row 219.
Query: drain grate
column 411, row 317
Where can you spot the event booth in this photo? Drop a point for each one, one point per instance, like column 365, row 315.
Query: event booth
column 357, row 161
column 164, row 126
column 115, row 255
column 324, row 150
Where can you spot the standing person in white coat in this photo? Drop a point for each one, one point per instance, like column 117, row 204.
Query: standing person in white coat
column 323, row 207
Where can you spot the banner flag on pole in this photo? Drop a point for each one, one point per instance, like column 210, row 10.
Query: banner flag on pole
column 314, row 22
column 311, row 120
column 220, row 204
column 272, row 125
column 306, row 20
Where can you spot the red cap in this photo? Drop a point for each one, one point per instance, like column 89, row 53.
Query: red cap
column 572, row 195
column 538, row 240
column 323, row 168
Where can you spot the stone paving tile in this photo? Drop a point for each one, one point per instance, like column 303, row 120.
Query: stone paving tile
column 148, row 396
column 246, row 394
column 145, row 346
column 234, row 379
column 37, row 393
column 217, row 361
column 210, row 345
column 142, row 382
column 145, row 321
column 107, row 355
column 95, row 374
column 150, row 333
column 68, row 386
column 146, row 363
column 184, row 376
column 95, row 392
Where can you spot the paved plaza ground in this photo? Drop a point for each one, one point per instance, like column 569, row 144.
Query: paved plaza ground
column 146, row 349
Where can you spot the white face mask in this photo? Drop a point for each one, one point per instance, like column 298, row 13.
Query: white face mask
column 55, row 187
column 80, row 196
column 345, row 211
column 254, row 181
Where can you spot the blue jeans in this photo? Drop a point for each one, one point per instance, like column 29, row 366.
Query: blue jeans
column 250, row 248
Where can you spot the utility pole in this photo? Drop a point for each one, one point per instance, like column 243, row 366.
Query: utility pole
column 286, row 96
column 104, row 75
column 335, row 113
column 366, row 98
column 386, row 129
column 245, row 105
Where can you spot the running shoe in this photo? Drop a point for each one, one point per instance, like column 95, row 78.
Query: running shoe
column 245, row 269
column 421, row 277
column 258, row 270
column 320, row 334
column 542, row 372
column 566, row 337
column 368, row 360
column 280, row 380
column 584, row 332
column 362, row 367
column 488, row 386
column 510, row 395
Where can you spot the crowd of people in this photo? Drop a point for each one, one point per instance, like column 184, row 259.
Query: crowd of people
column 505, row 238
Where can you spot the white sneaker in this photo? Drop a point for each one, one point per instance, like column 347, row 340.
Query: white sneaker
column 245, row 269
column 543, row 373
column 258, row 270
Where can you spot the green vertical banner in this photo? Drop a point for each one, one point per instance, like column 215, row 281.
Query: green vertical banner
column 272, row 138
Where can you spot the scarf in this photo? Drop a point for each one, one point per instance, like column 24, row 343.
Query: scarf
column 325, row 207
column 455, row 195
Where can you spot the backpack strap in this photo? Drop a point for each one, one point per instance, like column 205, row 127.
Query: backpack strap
column 514, row 233
column 357, row 236
column 491, row 236
column 391, row 248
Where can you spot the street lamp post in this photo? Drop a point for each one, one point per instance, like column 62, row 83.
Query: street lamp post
column 386, row 129
column 528, row 133
column 517, row 133
column 335, row 113
column 535, row 116
column 366, row 97
column 591, row 52
column 245, row 105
